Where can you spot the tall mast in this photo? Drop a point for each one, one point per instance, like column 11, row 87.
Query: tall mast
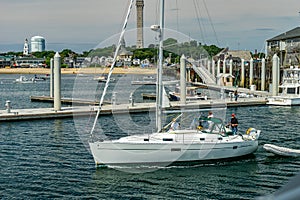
column 159, row 89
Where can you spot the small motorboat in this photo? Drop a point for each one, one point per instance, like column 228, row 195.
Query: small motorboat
column 23, row 79
column 282, row 151
column 103, row 79
column 191, row 94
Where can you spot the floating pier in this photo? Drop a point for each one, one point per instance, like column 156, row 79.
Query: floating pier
column 67, row 112
column 68, row 101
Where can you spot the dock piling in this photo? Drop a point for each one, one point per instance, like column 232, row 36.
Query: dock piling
column 242, row 83
column 182, row 80
column 275, row 75
column 57, row 82
column 263, row 74
column 218, row 67
column 51, row 78
column 251, row 72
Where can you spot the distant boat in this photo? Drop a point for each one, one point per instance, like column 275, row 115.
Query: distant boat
column 103, row 79
column 38, row 78
column 23, row 79
column 147, row 80
column 290, row 95
column 191, row 94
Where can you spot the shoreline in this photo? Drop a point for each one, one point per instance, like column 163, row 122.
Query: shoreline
column 100, row 70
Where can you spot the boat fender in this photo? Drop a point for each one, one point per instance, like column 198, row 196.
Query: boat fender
column 251, row 132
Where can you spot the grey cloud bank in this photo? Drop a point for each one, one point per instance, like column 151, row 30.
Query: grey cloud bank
column 238, row 24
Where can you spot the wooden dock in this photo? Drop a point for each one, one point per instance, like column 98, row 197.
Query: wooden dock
column 50, row 113
column 67, row 101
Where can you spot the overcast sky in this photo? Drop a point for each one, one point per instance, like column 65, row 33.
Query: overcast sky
column 82, row 24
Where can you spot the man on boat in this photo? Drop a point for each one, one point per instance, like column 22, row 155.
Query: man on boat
column 234, row 124
column 210, row 115
column 174, row 125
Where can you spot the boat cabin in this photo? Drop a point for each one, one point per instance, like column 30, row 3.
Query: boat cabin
column 291, row 82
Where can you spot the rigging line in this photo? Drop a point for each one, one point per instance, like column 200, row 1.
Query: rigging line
column 215, row 33
column 177, row 16
column 198, row 20
column 177, row 21
column 113, row 64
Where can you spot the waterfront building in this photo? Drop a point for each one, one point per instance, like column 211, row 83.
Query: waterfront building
column 74, row 62
column 124, row 57
column 79, row 61
column 287, row 46
column 5, row 61
column 37, row 44
column 235, row 55
column 27, row 62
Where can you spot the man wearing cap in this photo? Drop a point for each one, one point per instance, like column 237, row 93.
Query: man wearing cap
column 234, row 124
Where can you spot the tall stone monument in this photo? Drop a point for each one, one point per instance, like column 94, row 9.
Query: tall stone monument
column 140, row 23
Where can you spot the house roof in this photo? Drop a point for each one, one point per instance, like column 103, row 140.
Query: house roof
column 286, row 35
column 246, row 55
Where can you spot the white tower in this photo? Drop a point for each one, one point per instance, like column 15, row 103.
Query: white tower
column 26, row 48
column 37, row 44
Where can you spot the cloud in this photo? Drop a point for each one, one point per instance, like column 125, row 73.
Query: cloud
column 92, row 21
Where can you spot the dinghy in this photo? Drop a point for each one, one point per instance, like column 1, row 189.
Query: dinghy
column 282, row 151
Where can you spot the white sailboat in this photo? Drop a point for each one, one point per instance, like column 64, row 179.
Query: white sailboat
column 198, row 142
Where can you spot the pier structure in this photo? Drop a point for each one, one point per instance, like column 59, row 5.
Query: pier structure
column 183, row 80
column 224, row 66
column 213, row 66
column 57, row 82
column 209, row 66
column 239, row 73
column 230, row 69
column 251, row 73
column 242, row 83
column 68, row 112
column 51, row 78
column 218, row 67
column 263, row 74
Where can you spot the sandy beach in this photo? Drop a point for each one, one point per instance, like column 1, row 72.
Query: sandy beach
column 130, row 70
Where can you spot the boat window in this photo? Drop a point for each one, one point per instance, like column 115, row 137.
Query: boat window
column 175, row 149
column 167, row 139
column 291, row 90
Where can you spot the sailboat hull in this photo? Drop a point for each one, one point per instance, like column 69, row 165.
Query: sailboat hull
column 116, row 153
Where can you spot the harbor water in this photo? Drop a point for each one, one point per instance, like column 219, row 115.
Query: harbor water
column 46, row 159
